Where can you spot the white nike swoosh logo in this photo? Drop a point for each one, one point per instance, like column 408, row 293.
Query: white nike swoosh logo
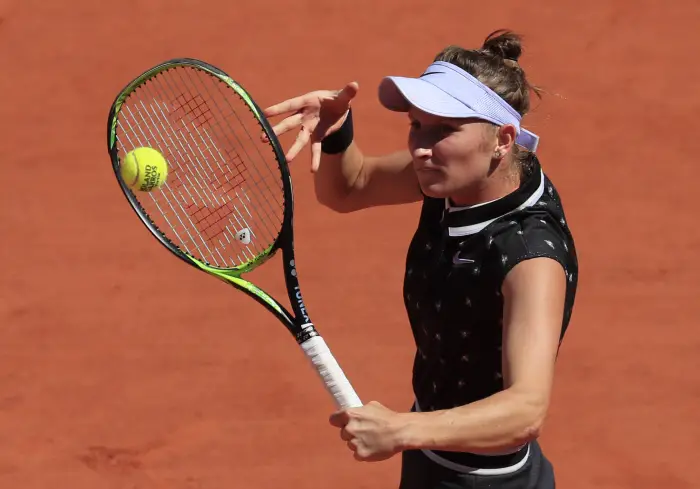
column 457, row 260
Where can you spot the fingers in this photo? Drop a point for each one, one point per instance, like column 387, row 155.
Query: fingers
column 339, row 419
column 305, row 133
column 302, row 138
column 348, row 93
column 310, row 129
column 288, row 124
column 351, row 442
column 290, row 105
column 362, row 454
column 345, row 95
column 359, row 456
column 299, row 142
column 315, row 156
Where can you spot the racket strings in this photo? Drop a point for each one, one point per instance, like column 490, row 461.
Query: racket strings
column 135, row 140
column 273, row 218
column 205, row 220
column 175, row 201
column 221, row 180
column 268, row 177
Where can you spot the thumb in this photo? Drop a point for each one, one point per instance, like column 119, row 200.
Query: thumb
column 339, row 419
column 348, row 93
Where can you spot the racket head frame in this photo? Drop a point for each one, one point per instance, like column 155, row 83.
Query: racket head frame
column 299, row 323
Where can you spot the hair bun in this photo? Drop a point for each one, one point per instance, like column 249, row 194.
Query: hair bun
column 504, row 44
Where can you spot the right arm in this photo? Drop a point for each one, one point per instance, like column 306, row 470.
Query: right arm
column 348, row 181
column 351, row 181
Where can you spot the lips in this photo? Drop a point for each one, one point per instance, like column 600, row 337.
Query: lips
column 426, row 168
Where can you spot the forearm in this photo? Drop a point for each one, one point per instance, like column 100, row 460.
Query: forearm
column 500, row 422
column 338, row 175
column 346, row 180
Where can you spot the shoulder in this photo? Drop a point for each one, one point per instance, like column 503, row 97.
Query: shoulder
column 518, row 239
column 540, row 230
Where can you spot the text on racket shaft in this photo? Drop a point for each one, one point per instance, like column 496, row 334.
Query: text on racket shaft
column 297, row 293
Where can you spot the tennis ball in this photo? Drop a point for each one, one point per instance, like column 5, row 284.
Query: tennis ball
column 144, row 169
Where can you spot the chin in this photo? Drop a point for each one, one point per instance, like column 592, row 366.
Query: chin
column 435, row 191
column 433, row 184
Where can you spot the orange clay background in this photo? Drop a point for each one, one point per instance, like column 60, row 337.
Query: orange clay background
column 121, row 367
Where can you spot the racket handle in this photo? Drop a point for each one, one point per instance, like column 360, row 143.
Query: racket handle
column 331, row 374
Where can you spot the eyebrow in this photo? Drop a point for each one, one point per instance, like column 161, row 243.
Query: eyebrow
column 437, row 120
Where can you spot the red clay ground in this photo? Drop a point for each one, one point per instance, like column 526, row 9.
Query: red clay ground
column 107, row 382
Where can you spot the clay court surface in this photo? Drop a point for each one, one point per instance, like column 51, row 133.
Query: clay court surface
column 122, row 368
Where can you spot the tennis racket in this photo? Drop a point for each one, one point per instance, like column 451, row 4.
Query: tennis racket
column 227, row 205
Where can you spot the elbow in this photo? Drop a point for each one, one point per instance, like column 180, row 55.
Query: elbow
column 518, row 438
column 531, row 432
column 340, row 193
column 534, row 413
column 336, row 199
column 528, row 411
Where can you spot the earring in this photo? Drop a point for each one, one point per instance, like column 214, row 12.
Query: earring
column 497, row 154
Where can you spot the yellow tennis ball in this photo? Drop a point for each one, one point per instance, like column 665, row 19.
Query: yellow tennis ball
column 144, row 169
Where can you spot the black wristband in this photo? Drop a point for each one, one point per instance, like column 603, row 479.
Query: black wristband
column 341, row 139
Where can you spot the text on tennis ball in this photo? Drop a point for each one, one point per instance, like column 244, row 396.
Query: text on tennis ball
column 152, row 178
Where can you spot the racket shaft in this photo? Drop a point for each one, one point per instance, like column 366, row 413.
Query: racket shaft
column 330, row 372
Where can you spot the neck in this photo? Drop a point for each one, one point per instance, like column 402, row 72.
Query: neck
column 495, row 186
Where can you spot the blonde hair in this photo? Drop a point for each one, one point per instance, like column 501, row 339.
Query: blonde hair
column 495, row 65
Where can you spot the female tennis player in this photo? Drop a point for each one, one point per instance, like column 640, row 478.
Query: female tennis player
column 491, row 271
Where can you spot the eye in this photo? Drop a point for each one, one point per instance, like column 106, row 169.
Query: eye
column 415, row 125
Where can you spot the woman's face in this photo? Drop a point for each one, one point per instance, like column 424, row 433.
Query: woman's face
column 451, row 157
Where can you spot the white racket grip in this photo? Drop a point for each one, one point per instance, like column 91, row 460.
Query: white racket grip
column 332, row 375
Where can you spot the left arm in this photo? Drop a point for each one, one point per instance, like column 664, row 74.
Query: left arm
column 534, row 294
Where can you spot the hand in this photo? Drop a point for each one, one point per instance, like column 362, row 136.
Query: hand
column 371, row 431
column 319, row 114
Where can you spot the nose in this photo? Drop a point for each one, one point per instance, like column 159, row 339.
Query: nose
column 422, row 153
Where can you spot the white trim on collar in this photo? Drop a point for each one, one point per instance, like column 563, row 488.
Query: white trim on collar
column 475, row 228
column 451, row 208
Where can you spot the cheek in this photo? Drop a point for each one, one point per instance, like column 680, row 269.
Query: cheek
column 463, row 158
column 454, row 151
